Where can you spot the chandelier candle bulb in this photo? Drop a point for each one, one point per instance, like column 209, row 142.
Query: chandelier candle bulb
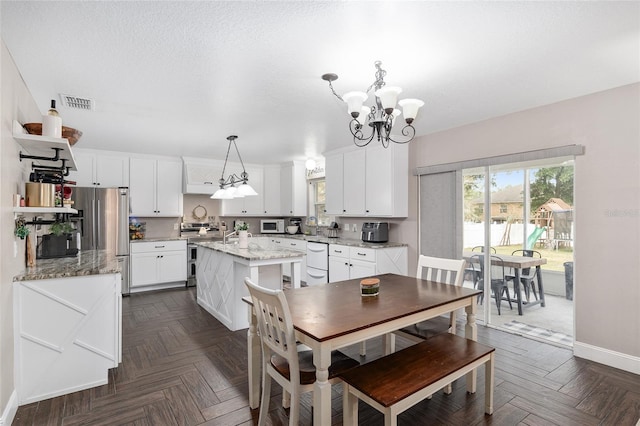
column 354, row 102
column 370, row 286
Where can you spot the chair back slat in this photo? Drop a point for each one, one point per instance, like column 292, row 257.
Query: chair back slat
column 275, row 325
column 448, row 271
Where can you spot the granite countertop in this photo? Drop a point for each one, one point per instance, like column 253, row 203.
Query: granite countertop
column 90, row 262
column 344, row 241
column 253, row 252
column 155, row 240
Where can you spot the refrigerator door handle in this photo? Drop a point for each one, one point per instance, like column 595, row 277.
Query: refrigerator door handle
column 122, row 242
column 97, row 227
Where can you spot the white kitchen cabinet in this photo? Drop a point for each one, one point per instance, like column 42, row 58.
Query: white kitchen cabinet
column 201, row 176
column 272, row 191
column 155, row 187
column 370, row 181
column 293, row 184
column 104, row 169
column 158, row 262
column 347, row 262
column 345, row 183
column 246, row 206
column 67, row 334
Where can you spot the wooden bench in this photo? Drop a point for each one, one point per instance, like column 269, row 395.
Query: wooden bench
column 396, row 382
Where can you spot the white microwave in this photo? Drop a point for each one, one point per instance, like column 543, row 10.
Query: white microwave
column 272, row 226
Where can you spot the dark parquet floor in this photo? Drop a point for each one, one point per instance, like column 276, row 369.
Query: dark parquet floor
column 182, row 367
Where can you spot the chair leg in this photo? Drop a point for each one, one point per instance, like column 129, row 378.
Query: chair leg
column 533, row 287
column 294, row 411
column 266, row 396
column 506, row 289
column 349, row 407
column 497, row 295
column 363, row 348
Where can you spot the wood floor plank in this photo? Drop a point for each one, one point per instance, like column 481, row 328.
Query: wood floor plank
column 184, row 409
column 181, row 366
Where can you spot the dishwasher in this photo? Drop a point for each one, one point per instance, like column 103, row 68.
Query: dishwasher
column 317, row 263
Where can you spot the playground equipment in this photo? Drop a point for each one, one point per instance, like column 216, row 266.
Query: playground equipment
column 531, row 239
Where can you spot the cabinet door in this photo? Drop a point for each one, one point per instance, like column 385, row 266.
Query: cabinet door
column 334, row 184
column 272, row 191
column 338, row 269
column 361, row 269
column 144, row 269
column 169, row 188
column 111, row 171
column 142, row 187
column 172, row 266
column 354, row 183
column 286, row 190
column 84, row 176
column 254, row 204
column 379, row 181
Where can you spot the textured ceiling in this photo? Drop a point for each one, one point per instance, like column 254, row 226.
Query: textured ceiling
column 176, row 78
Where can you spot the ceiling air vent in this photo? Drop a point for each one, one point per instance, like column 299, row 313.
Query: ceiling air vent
column 77, row 102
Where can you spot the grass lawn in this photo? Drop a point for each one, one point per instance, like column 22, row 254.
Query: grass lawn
column 555, row 258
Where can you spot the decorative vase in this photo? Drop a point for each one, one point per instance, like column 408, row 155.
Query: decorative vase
column 243, row 239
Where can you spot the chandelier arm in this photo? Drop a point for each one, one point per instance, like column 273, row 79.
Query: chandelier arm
column 222, row 180
column 408, row 131
column 334, row 92
column 356, row 130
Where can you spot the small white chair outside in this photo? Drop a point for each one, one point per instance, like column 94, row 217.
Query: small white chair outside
column 282, row 356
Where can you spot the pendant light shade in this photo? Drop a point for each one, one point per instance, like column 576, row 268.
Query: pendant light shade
column 233, row 186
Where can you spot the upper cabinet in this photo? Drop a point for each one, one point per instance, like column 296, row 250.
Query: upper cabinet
column 104, row 169
column 293, row 189
column 272, row 190
column 370, row 181
column 201, row 176
column 155, row 187
column 246, row 206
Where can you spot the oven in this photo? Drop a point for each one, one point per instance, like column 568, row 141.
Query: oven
column 194, row 232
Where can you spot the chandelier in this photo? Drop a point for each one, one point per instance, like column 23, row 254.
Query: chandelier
column 380, row 116
column 233, row 186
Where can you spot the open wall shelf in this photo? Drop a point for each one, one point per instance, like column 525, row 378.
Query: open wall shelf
column 43, row 146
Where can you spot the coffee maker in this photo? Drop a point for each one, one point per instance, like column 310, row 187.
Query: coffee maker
column 296, row 221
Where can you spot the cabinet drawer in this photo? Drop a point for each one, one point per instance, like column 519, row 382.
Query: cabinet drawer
column 158, row 246
column 361, row 253
column 296, row 245
column 338, row 250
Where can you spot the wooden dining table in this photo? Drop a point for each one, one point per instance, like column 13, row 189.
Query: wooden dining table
column 518, row 263
column 332, row 316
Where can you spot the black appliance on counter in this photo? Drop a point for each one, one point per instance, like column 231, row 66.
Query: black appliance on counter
column 375, row 232
column 296, row 221
column 53, row 246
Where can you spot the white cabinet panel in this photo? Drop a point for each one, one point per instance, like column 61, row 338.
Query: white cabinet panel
column 294, row 189
column 158, row 262
column 155, row 187
column 370, row 181
column 104, row 169
column 347, row 262
column 246, row 206
column 67, row 334
column 201, row 176
column 272, row 191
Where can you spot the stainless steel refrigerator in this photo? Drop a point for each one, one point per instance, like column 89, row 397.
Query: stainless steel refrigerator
column 103, row 221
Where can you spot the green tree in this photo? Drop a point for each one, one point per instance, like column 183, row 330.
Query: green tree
column 552, row 182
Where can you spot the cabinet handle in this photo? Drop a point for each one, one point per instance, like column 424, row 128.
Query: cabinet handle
column 362, row 254
column 337, row 251
column 159, row 246
column 344, row 211
column 367, row 211
column 208, row 183
column 347, row 263
column 293, row 244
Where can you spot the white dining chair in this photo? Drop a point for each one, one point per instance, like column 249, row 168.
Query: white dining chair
column 289, row 364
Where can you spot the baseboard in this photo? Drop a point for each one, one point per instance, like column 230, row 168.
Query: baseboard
column 608, row 357
column 10, row 410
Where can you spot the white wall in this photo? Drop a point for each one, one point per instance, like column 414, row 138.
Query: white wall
column 16, row 104
column 607, row 201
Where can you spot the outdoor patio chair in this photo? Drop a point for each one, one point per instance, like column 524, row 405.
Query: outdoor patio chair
column 475, row 273
column 527, row 275
column 499, row 280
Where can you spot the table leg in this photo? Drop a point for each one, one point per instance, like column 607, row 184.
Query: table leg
column 540, row 287
column 254, row 355
column 322, row 387
column 516, row 289
column 471, row 333
column 296, row 274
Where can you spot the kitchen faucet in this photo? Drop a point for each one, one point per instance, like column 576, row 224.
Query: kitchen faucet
column 225, row 236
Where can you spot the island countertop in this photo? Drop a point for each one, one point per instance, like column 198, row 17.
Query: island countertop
column 253, row 252
column 89, row 262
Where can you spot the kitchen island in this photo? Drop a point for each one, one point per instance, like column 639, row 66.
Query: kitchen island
column 67, row 324
column 222, row 268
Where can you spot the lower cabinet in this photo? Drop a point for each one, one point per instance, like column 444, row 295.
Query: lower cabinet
column 68, row 334
column 346, row 262
column 158, row 263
